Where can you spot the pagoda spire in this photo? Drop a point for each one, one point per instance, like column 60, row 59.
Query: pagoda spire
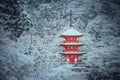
column 70, row 18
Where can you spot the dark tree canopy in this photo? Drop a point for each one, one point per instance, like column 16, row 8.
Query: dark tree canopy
column 14, row 16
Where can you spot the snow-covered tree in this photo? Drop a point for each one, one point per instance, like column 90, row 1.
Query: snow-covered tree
column 15, row 19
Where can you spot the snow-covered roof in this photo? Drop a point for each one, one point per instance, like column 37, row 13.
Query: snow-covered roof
column 72, row 52
column 79, row 44
column 72, row 32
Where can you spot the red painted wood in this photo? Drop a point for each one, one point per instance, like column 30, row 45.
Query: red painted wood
column 71, row 58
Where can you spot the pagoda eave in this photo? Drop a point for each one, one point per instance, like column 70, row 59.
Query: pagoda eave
column 72, row 44
column 72, row 53
column 70, row 35
column 68, row 54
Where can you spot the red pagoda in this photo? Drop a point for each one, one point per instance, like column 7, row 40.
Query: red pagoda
column 71, row 45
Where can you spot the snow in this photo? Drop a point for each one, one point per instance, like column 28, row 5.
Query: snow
column 72, row 53
column 72, row 32
column 37, row 57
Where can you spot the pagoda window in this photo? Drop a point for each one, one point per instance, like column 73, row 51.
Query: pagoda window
column 75, row 58
column 67, row 60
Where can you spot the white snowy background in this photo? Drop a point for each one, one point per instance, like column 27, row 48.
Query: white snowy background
column 29, row 38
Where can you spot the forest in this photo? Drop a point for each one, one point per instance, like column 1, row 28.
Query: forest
column 29, row 38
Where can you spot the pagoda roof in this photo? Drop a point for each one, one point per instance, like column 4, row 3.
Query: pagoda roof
column 74, row 44
column 71, row 32
column 72, row 52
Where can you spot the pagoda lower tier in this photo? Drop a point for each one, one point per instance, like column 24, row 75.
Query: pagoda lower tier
column 72, row 57
column 71, row 52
